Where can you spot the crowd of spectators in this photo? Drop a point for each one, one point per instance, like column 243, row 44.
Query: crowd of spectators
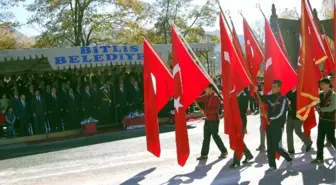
column 59, row 100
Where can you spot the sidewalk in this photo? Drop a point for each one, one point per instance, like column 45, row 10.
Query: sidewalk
column 73, row 134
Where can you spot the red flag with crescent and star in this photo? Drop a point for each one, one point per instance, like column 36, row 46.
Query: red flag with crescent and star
column 159, row 90
column 189, row 82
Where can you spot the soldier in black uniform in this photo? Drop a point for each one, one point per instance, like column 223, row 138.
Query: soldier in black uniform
column 326, row 125
column 277, row 109
column 243, row 101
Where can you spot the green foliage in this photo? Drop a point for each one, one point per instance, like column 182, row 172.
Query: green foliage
column 289, row 14
column 328, row 8
column 7, row 40
column 83, row 22
column 190, row 19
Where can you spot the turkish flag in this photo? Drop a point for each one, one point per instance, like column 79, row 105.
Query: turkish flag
column 234, row 80
column 254, row 55
column 159, row 89
column 277, row 67
column 189, row 82
column 329, row 64
column 310, row 122
column 277, row 64
column 311, row 54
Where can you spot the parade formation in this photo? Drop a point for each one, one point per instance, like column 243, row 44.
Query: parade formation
column 286, row 96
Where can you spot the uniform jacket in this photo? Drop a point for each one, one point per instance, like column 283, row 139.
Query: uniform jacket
column 277, row 108
column 328, row 105
column 211, row 106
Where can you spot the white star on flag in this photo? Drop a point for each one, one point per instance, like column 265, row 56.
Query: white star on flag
column 177, row 104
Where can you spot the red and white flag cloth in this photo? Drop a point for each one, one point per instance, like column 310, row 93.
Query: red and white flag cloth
column 189, row 82
column 234, row 80
column 158, row 81
column 254, row 54
column 312, row 52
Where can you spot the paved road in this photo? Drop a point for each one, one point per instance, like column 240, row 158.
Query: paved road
column 127, row 162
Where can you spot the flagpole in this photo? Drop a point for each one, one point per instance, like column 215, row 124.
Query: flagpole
column 199, row 63
column 241, row 50
column 247, row 71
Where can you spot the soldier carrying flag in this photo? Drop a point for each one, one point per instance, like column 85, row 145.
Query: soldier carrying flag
column 277, row 109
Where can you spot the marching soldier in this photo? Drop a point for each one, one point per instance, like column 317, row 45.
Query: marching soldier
column 243, row 101
column 277, row 108
column 211, row 112
column 294, row 124
column 326, row 125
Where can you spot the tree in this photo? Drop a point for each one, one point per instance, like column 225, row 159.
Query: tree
column 188, row 17
column 83, row 22
column 258, row 28
column 5, row 15
column 289, row 14
column 328, row 8
column 7, row 40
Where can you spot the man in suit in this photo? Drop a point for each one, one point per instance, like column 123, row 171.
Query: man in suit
column 39, row 111
column 73, row 109
column 136, row 97
column 87, row 102
column 54, row 110
column 23, row 115
column 122, row 102
column 105, row 104
column 15, row 102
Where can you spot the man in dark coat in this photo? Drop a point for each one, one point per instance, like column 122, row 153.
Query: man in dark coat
column 136, row 97
column 105, row 104
column 54, row 110
column 23, row 115
column 87, row 103
column 73, row 110
column 39, row 111
column 122, row 102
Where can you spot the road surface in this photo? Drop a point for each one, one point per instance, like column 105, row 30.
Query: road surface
column 127, row 162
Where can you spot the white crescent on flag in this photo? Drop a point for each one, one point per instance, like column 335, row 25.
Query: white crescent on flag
column 153, row 82
column 176, row 69
column 268, row 63
column 227, row 57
